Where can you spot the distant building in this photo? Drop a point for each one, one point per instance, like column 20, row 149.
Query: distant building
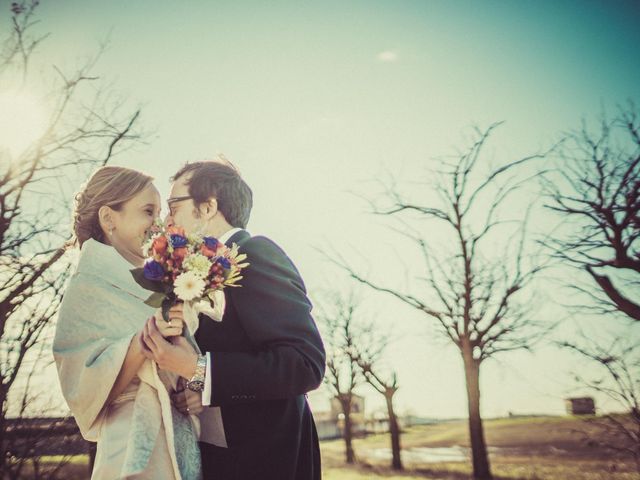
column 330, row 423
column 580, row 406
column 411, row 420
column 326, row 425
column 357, row 415
column 357, row 406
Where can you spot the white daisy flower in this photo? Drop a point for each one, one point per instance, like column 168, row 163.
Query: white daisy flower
column 198, row 264
column 188, row 286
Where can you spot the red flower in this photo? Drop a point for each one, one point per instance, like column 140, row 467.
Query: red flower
column 176, row 231
column 159, row 246
column 206, row 251
column 178, row 255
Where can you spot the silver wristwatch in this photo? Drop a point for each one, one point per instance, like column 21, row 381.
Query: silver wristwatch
column 196, row 384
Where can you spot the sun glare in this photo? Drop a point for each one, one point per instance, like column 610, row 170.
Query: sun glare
column 22, row 121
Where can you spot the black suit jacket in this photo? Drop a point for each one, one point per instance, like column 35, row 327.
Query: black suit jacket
column 266, row 353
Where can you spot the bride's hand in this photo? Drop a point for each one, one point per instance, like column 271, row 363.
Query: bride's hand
column 172, row 328
column 186, row 401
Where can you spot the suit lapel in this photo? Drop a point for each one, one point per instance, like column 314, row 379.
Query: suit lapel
column 239, row 238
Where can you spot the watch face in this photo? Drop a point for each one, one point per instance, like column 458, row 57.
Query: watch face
column 195, row 386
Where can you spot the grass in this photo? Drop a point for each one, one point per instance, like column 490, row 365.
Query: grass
column 530, row 456
column 75, row 467
column 72, row 460
column 501, row 471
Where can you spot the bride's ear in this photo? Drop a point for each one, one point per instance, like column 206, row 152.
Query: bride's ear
column 105, row 217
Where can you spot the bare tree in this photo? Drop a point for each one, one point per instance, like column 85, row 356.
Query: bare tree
column 85, row 129
column 619, row 363
column 342, row 377
column 368, row 351
column 473, row 288
column 36, row 432
column 596, row 190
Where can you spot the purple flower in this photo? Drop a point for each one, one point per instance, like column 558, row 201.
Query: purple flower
column 211, row 243
column 224, row 262
column 153, row 270
column 178, row 241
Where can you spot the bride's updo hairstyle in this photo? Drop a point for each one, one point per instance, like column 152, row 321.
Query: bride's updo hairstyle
column 108, row 186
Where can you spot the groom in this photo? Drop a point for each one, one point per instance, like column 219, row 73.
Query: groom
column 266, row 353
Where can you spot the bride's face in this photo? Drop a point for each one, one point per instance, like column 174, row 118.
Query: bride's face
column 132, row 222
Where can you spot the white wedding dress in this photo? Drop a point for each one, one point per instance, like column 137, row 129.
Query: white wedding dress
column 113, row 438
column 140, row 435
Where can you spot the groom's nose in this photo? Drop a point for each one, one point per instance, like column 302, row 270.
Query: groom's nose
column 168, row 220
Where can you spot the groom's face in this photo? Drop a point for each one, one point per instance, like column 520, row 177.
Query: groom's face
column 182, row 211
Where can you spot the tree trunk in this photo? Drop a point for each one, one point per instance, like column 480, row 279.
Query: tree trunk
column 348, row 438
column 347, row 432
column 481, row 468
column 394, row 431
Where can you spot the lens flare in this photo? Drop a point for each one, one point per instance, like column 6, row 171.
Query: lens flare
column 23, row 121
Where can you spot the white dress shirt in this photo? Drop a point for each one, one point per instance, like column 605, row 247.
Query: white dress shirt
column 206, row 394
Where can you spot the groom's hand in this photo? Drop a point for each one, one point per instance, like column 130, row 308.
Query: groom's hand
column 176, row 355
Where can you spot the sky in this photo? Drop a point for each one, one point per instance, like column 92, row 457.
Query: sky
column 315, row 102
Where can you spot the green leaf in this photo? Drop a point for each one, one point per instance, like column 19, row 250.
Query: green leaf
column 144, row 282
column 155, row 300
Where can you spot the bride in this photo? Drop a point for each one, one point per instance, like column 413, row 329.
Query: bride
column 119, row 398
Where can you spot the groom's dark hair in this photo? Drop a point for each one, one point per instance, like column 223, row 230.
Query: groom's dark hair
column 222, row 181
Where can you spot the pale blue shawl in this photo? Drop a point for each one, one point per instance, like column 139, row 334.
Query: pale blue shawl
column 101, row 312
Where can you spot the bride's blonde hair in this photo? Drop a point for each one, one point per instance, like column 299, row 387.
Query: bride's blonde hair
column 108, row 186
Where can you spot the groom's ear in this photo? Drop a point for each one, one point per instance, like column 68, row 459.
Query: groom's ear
column 209, row 209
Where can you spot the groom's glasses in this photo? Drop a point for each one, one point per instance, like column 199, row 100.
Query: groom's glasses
column 172, row 201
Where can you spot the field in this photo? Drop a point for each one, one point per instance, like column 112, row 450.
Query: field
column 531, row 448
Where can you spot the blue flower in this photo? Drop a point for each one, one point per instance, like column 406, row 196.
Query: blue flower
column 153, row 270
column 210, row 242
column 224, row 262
column 178, row 241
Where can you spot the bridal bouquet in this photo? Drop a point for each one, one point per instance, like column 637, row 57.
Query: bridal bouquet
column 192, row 269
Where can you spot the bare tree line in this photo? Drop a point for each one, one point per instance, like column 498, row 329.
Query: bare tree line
column 480, row 292
column 85, row 129
column 355, row 349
